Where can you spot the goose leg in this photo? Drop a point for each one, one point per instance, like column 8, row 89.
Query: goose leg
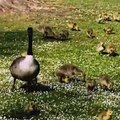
column 60, row 79
column 13, row 87
column 35, row 81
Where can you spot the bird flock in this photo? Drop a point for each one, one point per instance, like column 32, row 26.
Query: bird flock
column 27, row 68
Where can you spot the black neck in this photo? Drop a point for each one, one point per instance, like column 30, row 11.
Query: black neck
column 30, row 35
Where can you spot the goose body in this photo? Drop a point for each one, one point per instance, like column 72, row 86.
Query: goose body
column 101, row 47
column 90, row 84
column 90, row 33
column 25, row 68
column 105, row 82
column 68, row 71
column 73, row 26
column 100, row 19
column 109, row 30
column 116, row 16
column 105, row 115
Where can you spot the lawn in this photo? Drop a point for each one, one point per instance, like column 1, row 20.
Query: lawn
column 67, row 101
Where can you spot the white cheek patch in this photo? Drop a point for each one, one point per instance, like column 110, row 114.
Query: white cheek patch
column 27, row 65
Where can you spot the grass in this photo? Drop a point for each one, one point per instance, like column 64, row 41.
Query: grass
column 68, row 101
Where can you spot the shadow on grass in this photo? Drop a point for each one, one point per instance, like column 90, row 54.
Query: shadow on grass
column 21, row 114
column 114, row 55
column 12, row 42
column 56, row 39
column 110, row 55
column 36, row 88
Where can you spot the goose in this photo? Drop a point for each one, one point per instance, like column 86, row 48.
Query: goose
column 90, row 33
column 111, row 49
column 105, row 82
column 48, row 33
column 116, row 16
column 68, row 71
column 25, row 68
column 101, row 47
column 105, row 115
column 73, row 26
column 90, row 84
column 109, row 30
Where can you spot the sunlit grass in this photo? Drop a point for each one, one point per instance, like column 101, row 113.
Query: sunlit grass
column 67, row 101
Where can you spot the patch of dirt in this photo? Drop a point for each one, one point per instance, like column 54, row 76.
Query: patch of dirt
column 11, row 6
column 38, row 7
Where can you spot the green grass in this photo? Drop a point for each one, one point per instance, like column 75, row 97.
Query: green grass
column 68, row 101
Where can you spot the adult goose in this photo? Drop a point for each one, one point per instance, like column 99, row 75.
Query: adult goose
column 25, row 68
